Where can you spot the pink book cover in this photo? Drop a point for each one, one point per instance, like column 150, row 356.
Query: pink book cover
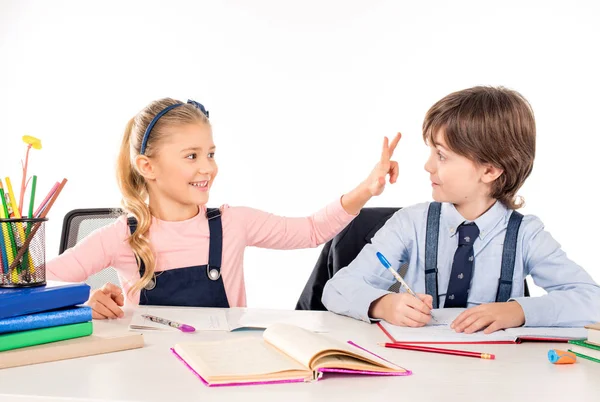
column 320, row 372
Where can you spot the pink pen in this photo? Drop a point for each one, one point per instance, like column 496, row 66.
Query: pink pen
column 181, row 327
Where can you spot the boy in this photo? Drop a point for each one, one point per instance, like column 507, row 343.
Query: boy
column 482, row 143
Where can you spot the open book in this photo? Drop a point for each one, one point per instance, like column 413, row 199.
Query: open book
column 439, row 332
column 285, row 353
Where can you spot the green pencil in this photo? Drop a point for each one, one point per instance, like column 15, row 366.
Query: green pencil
column 32, row 198
column 28, row 230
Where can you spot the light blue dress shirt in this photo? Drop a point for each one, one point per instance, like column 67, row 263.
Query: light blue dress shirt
column 573, row 297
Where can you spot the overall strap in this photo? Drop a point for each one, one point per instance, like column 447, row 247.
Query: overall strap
column 509, row 252
column 132, row 223
column 215, row 227
column 431, row 251
column 216, row 238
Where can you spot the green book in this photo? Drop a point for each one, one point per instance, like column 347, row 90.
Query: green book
column 585, row 350
column 23, row 339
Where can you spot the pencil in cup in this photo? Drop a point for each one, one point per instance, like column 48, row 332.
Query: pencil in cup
column 27, row 259
column 10, row 247
column 19, row 235
column 36, row 226
column 32, row 253
column 454, row 352
column 388, row 266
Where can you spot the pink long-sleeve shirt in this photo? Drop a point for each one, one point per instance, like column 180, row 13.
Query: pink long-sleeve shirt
column 186, row 243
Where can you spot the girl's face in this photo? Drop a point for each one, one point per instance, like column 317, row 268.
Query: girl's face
column 184, row 168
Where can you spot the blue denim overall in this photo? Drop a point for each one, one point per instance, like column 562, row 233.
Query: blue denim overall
column 195, row 286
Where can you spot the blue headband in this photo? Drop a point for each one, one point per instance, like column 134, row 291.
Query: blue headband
column 161, row 114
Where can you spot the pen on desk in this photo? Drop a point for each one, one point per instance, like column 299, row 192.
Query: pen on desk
column 388, row 266
column 455, row 352
column 164, row 321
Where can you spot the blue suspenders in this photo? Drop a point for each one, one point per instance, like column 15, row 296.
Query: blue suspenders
column 431, row 250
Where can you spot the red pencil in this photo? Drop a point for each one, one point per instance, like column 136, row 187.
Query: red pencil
column 439, row 350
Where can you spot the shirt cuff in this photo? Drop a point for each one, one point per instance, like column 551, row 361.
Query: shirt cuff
column 536, row 309
column 364, row 299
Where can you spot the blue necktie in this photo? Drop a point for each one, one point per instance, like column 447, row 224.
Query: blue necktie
column 462, row 267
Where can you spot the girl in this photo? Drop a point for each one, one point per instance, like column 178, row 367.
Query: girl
column 172, row 250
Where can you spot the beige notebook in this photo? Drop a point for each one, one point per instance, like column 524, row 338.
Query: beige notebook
column 285, row 353
column 96, row 344
column 593, row 333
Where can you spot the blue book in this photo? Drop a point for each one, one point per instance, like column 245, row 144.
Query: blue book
column 54, row 318
column 15, row 302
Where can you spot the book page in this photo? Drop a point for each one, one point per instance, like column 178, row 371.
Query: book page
column 236, row 358
column 351, row 363
column 306, row 347
column 200, row 319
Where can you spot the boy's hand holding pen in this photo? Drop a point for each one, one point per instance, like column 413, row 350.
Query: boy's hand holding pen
column 405, row 309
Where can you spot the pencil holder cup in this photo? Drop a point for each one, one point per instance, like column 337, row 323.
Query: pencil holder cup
column 22, row 252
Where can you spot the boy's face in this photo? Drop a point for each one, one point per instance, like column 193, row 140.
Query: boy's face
column 184, row 167
column 455, row 178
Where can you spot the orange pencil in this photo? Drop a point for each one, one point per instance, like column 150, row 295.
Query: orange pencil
column 454, row 352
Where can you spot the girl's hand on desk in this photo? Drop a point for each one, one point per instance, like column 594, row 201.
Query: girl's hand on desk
column 491, row 316
column 403, row 309
column 105, row 302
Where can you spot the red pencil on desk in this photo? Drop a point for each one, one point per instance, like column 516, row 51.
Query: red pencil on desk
column 455, row 352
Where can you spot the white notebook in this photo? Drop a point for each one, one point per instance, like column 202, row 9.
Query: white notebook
column 202, row 319
column 439, row 331
column 213, row 319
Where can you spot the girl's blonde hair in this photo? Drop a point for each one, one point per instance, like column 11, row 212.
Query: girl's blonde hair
column 132, row 184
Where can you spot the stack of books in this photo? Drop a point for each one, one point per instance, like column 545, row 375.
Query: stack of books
column 589, row 348
column 39, row 315
column 45, row 324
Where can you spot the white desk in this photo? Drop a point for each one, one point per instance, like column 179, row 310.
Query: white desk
column 520, row 372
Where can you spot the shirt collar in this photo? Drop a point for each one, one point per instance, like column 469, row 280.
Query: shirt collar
column 486, row 222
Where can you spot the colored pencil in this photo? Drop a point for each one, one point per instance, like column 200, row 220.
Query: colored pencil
column 40, row 208
column 9, row 240
column 37, row 225
column 30, row 216
column 20, row 232
column 454, row 352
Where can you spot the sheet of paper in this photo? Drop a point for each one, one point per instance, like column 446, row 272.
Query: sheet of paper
column 441, row 333
column 444, row 316
column 262, row 318
column 199, row 318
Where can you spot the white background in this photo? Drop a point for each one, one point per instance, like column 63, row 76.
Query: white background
column 300, row 95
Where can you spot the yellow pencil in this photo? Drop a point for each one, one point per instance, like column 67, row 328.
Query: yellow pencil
column 17, row 214
column 8, row 235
